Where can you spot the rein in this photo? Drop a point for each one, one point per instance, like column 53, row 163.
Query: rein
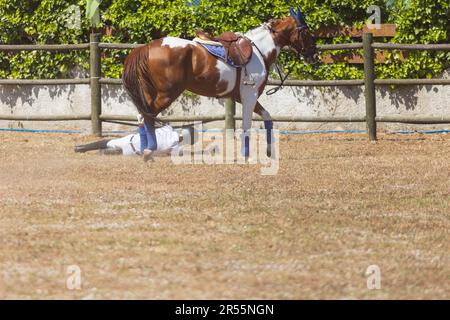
column 277, row 65
column 280, row 86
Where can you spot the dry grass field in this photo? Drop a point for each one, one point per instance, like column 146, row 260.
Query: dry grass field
column 162, row 231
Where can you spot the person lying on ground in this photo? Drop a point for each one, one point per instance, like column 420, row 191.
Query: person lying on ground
column 168, row 140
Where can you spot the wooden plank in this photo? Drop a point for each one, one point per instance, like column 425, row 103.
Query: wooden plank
column 44, row 47
column 386, row 118
column 125, row 123
column 310, row 119
column 425, row 82
column 336, row 31
column 11, row 117
column 340, row 46
column 352, row 58
column 105, row 45
column 164, row 118
column 316, row 83
column 386, row 30
column 110, row 81
column 37, row 82
column 400, row 46
column 273, row 82
column 413, row 119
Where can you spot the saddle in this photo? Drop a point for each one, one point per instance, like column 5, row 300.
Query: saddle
column 237, row 47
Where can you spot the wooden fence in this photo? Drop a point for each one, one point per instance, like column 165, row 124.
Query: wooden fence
column 369, row 82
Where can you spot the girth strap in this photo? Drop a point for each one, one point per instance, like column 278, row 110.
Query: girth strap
column 235, row 94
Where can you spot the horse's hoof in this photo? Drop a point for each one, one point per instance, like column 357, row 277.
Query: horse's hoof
column 271, row 155
column 250, row 160
column 148, row 155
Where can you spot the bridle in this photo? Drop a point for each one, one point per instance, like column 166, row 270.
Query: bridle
column 301, row 29
column 299, row 53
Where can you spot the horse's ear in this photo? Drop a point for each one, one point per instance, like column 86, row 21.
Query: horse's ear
column 301, row 18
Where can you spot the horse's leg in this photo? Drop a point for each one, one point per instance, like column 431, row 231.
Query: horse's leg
column 248, row 99
column 162, row 101
column 152, row 144
column 98, row 145
column 147, row 126
column 143, row 137
column 268, row 125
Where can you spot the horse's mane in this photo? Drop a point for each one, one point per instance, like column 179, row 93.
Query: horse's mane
column 265, row 25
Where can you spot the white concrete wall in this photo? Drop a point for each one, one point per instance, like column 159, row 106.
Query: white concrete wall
column 291, row 101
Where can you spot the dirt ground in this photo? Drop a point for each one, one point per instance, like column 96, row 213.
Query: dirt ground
column 163, row 231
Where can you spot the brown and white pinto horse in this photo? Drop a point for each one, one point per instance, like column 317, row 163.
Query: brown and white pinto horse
column 156, row 74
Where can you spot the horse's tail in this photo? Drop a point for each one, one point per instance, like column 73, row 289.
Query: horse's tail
column 137, row 81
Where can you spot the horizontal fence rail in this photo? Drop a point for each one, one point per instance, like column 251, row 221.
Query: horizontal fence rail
column 316, row 83
column 413, row 119
column 44, row 47
column 323, row 47
column 120, row 46
column 111, row 81
column 272, row 82
column 341, row 46
column 399, row 46
column 369, row 83
column 165, row 118
column 402, row 82
column 310, row 119
column 44, row 81
column 129, row 118
column 45, row 117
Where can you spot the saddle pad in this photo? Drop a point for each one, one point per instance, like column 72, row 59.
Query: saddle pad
column 218, row 51
column 199, row 40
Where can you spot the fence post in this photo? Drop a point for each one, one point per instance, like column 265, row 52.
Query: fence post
column 230, row 112
column 96, row 93
column 369, row 90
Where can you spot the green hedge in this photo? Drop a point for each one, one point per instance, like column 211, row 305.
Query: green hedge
column 140, row 21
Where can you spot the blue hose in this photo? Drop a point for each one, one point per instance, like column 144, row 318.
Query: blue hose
column 322, row 131
column 286, row 132
column 40, row 130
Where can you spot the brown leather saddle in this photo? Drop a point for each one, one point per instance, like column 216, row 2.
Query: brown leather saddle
column 238, row 48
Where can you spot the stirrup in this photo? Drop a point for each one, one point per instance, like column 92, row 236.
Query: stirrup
column 249, row 81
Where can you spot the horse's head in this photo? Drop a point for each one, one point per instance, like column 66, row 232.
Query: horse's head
column 294, row 32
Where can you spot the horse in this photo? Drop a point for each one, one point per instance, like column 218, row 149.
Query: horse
column 156, row 74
